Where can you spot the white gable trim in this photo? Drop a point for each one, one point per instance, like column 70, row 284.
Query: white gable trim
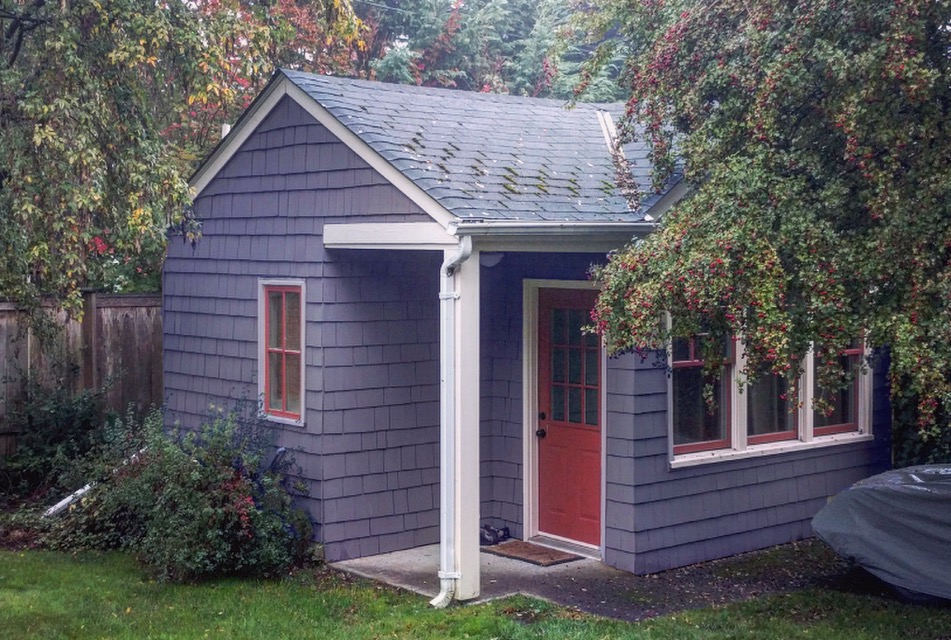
column 238, row 135
column 263, row 107
column 395, row 235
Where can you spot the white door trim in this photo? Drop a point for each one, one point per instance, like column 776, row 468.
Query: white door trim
column 530, row 287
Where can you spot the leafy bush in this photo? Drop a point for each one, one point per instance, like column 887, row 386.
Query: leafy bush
column 914, row 442
column 191, row 504
column 56, row 427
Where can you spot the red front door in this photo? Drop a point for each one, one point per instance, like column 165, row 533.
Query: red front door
column 569, row 417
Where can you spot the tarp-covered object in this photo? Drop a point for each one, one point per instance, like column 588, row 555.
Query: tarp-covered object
column 897, row 525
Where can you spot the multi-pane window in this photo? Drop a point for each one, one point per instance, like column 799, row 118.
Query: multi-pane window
column 699, row 425
column 575, row 368
column 282, row 351
column 844, row 403
column 763, row 412
column 769, row 417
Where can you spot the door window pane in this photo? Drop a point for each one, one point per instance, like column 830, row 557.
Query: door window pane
column 558, row 403
column 591, row 407
column 574, row 405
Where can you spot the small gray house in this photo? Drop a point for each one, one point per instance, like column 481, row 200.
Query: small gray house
column 400, row 275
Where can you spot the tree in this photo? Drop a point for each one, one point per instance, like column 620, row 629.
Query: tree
column 501, row 46
column 816, row 137
column 106, row 105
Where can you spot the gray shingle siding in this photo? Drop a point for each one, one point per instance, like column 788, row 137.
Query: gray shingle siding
column 371, row 329
column 658, row 518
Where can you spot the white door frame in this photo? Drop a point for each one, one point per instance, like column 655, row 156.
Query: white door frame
column 530, row 318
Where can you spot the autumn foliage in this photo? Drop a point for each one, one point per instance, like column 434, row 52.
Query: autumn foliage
column 816, row 137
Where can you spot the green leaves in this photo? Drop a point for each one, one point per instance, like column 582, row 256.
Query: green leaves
column 816, row 136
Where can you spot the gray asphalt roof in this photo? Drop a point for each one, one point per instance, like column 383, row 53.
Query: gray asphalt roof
column 491, row 157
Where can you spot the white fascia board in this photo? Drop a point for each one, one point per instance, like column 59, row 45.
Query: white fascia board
column 246, row 125
column 552, row 237
column 396, row 235
column 396, row 177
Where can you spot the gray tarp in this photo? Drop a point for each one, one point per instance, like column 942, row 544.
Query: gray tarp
column 897, row 525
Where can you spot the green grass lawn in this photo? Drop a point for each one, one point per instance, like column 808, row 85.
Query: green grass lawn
column 55, row 595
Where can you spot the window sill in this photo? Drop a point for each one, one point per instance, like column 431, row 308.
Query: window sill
column 291, row 422
column 772, row 448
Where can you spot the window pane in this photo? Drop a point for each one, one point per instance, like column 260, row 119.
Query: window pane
column 558, row 357
column 842, row 400
column 693, row 420
column 274, row 361
column 592, row 340
column 591, row 406
column 293, row 383
column 768, row 406
column 558, row 403
column 274, row 320
column 559, row 326
column 574, row 366
column 575, row 322
column 574, row 404
column 591, row 367
column 680, row 349
column 292, row 318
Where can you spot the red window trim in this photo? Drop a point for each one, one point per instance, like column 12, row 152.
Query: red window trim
column 845, row 427
column 281, row 411
column 693, row 361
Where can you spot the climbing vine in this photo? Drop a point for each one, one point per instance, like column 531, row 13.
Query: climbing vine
column 815, row 137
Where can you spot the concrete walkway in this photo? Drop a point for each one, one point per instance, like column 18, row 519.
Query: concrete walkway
column 415, row 570
column 592, row 587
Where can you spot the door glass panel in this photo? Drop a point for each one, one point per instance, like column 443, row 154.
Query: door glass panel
column 591, row 367
column 558, row 357
column 559, row 325
column 575, row 322
column 558, row 403
column 574, row 405
column 591, row 407
column 574, row 366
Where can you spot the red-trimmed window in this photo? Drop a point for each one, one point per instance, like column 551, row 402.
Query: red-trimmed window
column 769, row 417
column 844, row 417
column 282, row 351
column 696, row 425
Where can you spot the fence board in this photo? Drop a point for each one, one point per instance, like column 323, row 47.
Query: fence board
column 116, row 347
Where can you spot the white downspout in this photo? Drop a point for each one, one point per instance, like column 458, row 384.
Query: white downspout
column 448, row 573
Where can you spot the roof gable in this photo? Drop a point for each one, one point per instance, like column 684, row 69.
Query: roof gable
column 467, row 157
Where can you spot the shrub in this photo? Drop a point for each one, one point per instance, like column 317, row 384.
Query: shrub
column 56, row 427
column 192, row 504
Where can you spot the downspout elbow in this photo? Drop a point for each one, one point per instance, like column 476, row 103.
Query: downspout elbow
column 460, row 256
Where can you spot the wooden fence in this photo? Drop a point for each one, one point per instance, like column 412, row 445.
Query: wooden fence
column 117, row 346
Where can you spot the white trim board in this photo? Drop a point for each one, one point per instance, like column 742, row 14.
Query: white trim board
column 395, row 235
column 530, row 287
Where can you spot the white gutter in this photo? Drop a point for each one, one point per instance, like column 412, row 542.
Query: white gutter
column 519, row 227
column 448, row 573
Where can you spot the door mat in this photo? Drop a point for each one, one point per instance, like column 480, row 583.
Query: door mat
column 528, row 552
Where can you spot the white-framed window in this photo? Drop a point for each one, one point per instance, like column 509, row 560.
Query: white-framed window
column 281, row 350
column 758, row 419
